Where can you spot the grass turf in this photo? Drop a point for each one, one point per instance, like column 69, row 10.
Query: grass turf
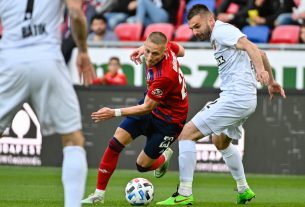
column 31, row 187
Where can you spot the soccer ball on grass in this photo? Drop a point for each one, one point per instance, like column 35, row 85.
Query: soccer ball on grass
column 139, row 192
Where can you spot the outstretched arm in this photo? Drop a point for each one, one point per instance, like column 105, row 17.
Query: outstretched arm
column 108, row 113
column 273, row 86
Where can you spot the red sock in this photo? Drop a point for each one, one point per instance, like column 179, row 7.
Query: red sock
column 108, row 163
column 157, row 163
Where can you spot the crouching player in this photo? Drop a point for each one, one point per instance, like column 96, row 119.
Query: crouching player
column 160, row 116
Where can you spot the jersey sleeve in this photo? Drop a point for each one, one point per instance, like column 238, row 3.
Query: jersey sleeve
column 159, row 89
column 173, row 47
column 228, row 35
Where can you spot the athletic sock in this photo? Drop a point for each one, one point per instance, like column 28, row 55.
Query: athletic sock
column 108, row 163
column 160, row 161
column 234, row 162
column 187, row 164
column 74, row 173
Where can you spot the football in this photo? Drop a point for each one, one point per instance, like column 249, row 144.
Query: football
column 139, row 192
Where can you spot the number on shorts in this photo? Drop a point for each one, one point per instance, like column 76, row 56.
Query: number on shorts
column 166, row 142
column 29, row 10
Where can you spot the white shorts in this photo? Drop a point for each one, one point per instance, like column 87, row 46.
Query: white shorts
column 224, row 115
column 46, row 85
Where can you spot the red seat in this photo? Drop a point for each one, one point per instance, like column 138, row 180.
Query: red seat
column 1, row 29
column 297, row 2
column 183, row 33
column 180, row 12
column 233, row 8
column 165, row 28
column 128, row 32
column 286, row 34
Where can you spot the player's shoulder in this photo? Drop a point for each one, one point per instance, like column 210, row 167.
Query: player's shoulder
column 223, row 30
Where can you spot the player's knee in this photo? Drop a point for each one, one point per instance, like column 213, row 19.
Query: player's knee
column 115, row 145
column 142, row 169
column 221, row 143
column 73, row 139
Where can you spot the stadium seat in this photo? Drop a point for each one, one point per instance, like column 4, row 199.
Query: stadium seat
column 233, row 8
column 297, row 2
column 180, row 12
column 289, row 34
column 166, row 28
column 1, row 29
column 183, row 33
column 128, row 31
column 257, row 34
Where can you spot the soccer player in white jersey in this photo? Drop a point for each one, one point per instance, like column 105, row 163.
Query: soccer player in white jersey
column 240, row 65
column 32, row 69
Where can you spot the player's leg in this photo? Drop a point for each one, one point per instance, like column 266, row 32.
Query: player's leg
column 74, row 168
column 233, row 160
column 157, row 154
column 187, row 164
column 56, row 105
column 129, row 129
column 231, row 115
column 14, row 91
column 108, row 165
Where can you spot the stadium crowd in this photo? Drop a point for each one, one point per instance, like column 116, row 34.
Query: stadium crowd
column 262, row 21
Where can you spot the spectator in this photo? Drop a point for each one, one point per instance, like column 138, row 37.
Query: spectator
column 296, row 17
column 155, row 11
column 118, row 11
column 68, row 43
column 238, row 19
column 113, row 76
column 99, row 30
column 265, row 12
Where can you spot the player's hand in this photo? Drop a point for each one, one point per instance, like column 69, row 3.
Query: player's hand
column 85, row 68
column 262, row 77
column 135, row 55
column 275, row 88
column 102, row 114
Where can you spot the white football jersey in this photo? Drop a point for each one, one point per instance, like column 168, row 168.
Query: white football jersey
column 31, row 29
column 235, row 68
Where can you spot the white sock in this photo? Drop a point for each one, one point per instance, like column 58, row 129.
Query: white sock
column 99, row 192
column 74, row 174
column 233, row 160
column 187, row 164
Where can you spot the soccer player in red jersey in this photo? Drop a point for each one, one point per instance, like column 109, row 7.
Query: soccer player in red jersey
column 160, row 116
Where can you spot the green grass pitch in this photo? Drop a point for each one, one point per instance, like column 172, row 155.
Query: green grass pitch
column 31, row 187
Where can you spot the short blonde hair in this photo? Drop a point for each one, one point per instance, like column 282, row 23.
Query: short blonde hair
column 157, row 38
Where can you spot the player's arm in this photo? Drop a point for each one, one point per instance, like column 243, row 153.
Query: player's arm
column 136, row 54
column 261, row 74
column 107, row 113
column 79, row 32
column 78, row 24
column 181, row 50
column 273, row 86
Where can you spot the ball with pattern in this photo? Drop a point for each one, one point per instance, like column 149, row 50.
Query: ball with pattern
column 139, row 192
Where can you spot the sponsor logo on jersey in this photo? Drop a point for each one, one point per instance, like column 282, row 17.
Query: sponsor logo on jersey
column 157, row 92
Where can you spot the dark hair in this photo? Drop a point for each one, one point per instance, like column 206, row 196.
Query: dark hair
column 157, row 38
column 197, row 9
column 115, row 58
column 98, row 17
